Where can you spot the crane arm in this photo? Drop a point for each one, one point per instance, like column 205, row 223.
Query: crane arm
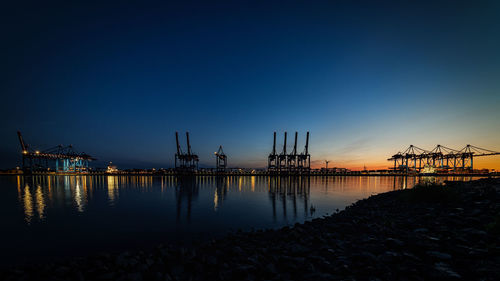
column 21, row 141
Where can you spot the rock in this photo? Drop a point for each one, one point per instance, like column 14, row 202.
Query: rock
column 211, row 260
column 439, row 255
column 62, row 270
column 271, row 268
column 392, row 242
column 134, row 277
column 238, row 251
column 177, row 269
column 158, row 276
column 121, row 260
column 106, row 276
column 445, row 271
column 297, row 249
column 388, row 256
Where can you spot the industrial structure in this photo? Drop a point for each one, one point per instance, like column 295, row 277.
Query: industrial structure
column 185, row 163
column 289, row 163
column 60, row 159
column 441, row 157
column 220, row 160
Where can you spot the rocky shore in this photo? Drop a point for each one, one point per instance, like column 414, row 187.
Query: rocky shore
column 425, row 233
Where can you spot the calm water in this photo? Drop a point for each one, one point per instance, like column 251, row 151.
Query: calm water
column 57, row 216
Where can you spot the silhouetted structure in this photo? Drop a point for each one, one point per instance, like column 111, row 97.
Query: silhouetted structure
column 292, row 163
column 304, row 159
column 61, row 159
column 441, row 157
column 272, row 160
column 185, row 163
column 220, row 160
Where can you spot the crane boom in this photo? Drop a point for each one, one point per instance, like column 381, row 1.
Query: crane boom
column 177, row 141
column 295, row 144
column 188, row 145
column 23, row 145
column 307, row 143
column 284, row 145
column 274, row 144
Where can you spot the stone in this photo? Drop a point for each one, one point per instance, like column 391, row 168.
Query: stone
column 445, row 270
column 439, row 255
column 134, row 276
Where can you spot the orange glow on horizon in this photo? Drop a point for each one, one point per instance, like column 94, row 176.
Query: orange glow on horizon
column 483, row 162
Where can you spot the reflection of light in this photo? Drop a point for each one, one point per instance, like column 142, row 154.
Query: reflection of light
column 19, row 194
column 40, row 204
column 240, row 180
column 253, row 183
column 112, row 188
column 216, row 200
column 28, row 204
column 78, row 197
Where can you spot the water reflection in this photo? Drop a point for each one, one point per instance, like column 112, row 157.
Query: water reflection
column 40, row 202
column 285, row 199
column 112, row 189
column 288, row 191
column 28, row 204
column 186, row 191
column 222, row 185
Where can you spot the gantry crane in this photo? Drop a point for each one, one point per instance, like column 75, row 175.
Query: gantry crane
column 60, row 159
column 220, row 160
column 442, row 157
column 272, row 160
column 185, row 162
column 289, row 163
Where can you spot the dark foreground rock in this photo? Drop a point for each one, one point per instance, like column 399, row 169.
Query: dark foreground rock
column 426, row 233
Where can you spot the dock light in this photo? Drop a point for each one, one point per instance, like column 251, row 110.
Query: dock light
column 37, row 152
column 25, row 152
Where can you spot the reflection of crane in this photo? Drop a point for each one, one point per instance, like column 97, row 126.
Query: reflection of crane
column 288, row 190
column 220, row 160
column 185, row 162
column 220, row 191
column 186, row 190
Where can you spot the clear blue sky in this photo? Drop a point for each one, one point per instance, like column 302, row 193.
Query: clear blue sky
column 366, row 79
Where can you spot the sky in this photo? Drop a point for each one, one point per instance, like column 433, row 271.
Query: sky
column 117, row 80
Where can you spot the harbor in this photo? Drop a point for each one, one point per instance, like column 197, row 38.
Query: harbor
column 414, row 161
column 250, row 140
